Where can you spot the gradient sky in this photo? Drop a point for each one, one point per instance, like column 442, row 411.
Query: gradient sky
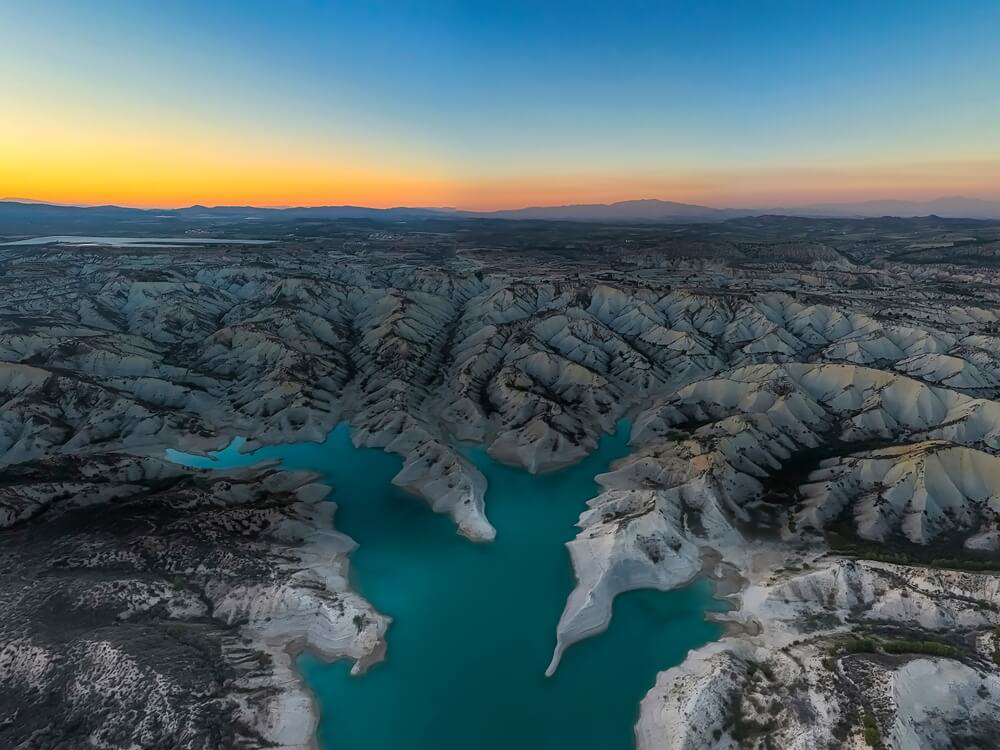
column 498, row 104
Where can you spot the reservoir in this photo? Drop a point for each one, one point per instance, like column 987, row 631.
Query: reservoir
column 139, row 242
column 474, row 624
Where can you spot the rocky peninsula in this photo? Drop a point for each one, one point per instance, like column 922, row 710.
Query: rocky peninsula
column 814, row 422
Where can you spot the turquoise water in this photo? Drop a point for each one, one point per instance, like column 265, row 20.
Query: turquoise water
column 131, row 241
column 474, row 624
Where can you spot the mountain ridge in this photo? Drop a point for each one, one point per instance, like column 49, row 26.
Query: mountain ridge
column 646, row 210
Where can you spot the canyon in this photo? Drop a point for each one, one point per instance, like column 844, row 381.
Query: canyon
column 813, row 426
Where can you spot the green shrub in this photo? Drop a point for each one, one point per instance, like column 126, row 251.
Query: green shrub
column 931, row 648
column 872, row 736
column 860, row 646
column 960, row 564
column 897, row 646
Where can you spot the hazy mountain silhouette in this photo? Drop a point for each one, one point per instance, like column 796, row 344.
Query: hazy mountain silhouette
column 957, row 206
column 636, row 210
column 25, row 216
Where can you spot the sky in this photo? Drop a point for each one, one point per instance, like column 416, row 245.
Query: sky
column 485, row 105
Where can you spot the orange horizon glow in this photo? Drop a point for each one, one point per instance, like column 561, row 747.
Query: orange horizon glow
column 497, row 106
column 62, row 154
column 161, row 182
column 63, row 150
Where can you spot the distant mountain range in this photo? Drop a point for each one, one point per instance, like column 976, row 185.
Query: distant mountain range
column 630, row 211
column 952, row 207
column 658, row 211
column 25, row 213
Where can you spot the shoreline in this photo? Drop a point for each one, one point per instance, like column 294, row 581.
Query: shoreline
column 296, row 649
column 723, row 581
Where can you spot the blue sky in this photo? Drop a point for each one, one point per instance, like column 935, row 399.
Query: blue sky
column 476, row 103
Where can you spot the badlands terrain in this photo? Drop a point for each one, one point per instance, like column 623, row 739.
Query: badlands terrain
column 815, row 424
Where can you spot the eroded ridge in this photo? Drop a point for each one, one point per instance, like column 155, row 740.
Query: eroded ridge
column 814, row 423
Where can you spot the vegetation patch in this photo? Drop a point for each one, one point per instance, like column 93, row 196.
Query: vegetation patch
column 897, row 646
column 873, row 738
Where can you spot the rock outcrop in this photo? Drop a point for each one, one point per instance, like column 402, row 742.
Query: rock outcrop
column 804, row 386
column 163, row 605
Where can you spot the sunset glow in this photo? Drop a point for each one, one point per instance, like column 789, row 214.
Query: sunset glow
column 473, row 106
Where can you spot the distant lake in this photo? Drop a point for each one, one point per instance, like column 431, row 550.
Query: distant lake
column 131, row 241
column 474, row 624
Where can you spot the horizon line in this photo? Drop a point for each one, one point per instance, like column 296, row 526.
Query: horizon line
column 456, row 209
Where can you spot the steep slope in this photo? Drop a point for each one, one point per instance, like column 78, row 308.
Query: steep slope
column 161, row 604
column 767, row 403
